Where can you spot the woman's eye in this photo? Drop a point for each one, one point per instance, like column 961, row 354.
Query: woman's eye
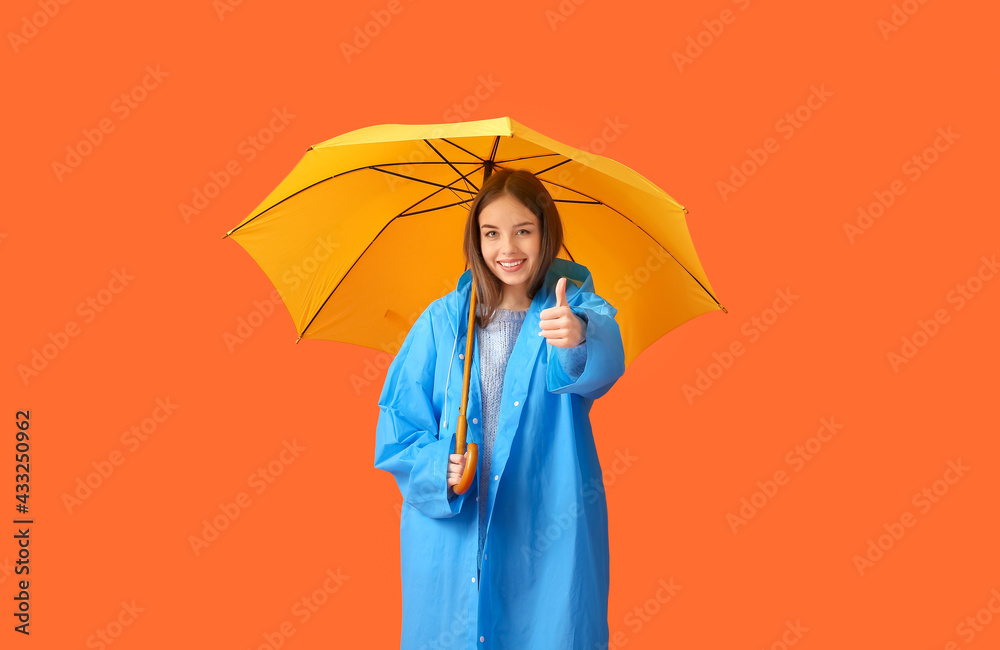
column 493, row 232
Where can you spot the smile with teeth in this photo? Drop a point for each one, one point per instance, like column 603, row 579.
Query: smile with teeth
column 511, row 265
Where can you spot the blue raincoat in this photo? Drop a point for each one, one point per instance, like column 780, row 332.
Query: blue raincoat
column 545, row 570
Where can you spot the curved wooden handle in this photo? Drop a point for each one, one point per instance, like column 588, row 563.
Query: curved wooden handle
column 470, row 469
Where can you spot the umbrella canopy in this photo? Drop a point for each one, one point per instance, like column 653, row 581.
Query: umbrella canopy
column 367, row 229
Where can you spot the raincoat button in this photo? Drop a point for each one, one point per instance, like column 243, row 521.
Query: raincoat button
column 496, row 478
column 475, row 420
column 516, row 403
column 461, row 356
column 473, row 579
column 482, row 638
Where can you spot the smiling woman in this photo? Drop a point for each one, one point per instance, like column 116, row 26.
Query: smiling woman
column 524, row 561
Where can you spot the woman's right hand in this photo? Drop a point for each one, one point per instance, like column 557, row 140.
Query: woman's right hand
column 456, row 467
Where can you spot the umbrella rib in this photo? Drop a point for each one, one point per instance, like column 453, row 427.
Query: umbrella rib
column 599, row 202
column 432, row 162
column 464, row 149
column 541, row 155
column 467, row 181
column 553, row 166
column 276, row 204
column 496, row 145
column 406, row 212
column 440, row 207
column 416, row 162
column 545, row 180
column 420, row 180
column 624, row 216
column 353, row 264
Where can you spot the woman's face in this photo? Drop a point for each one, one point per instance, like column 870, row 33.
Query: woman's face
column 510, row 233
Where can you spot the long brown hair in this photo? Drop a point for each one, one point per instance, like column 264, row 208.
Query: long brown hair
column 523, row 186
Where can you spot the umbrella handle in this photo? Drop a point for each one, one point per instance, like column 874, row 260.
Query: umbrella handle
column 473, row 461
column 470, row 469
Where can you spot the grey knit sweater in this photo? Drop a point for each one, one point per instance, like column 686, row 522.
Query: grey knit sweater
column 496, row 341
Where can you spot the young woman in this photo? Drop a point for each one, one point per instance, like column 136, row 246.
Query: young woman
column 519, row 560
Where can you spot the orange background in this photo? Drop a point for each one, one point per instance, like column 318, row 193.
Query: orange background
column 62, row 237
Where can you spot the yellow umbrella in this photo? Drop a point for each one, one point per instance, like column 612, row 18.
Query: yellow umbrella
column 338, row 233
column 366, row 209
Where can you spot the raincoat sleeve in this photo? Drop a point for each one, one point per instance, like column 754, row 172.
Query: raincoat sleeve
column 591, row 368
column 406, row 439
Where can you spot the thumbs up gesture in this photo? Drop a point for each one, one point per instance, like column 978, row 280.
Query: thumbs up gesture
column 560, row 326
